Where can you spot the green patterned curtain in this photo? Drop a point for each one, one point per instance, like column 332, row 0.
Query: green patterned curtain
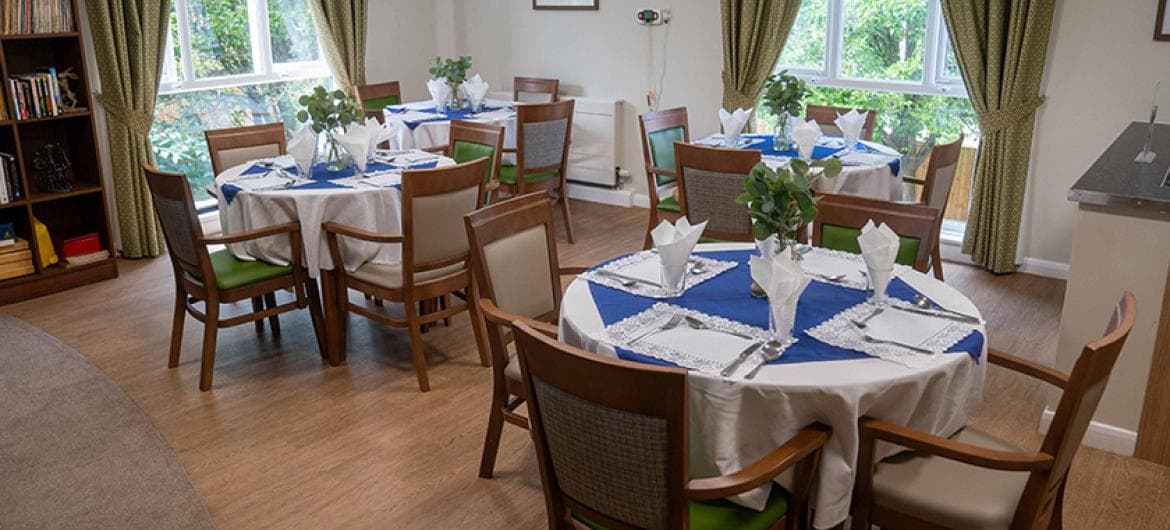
column 129, row 37
column 341, row 26
column 1001, row 46
column 754, row 32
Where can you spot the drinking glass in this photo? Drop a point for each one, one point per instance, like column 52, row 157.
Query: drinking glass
column 879, row 280
column 674, row 279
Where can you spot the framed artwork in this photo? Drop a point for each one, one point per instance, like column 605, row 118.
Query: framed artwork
column 571, row 5
column 1162, row 26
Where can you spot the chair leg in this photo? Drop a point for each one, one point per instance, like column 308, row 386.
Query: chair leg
column 210, row 330
column 936, row 262
column 477, row 326
column 491, row 441
column 444, row 303
column 177, row 327
column 1057, row 520
column 274, row 320
column 416, row 345
column 316, row 316
column 568, row 217
column 257, row 306
column 332, row 318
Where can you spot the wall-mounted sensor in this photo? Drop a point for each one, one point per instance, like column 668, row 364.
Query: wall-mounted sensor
column 652, row 17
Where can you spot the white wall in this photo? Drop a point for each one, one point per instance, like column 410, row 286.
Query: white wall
column 400, row 40
column 1101, row 70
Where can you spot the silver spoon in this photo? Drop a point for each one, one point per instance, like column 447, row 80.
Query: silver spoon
column 835, row 278
column 862, row 323
column 923, row 302
column 697, row 324
column 770, row 352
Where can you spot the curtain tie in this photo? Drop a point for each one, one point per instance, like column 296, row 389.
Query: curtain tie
column 1000, row 119
column 134, row 120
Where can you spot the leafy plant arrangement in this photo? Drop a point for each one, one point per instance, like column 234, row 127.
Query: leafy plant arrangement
column 453, row 70
column 781, row 201
column 329, row 112
column 784, row 94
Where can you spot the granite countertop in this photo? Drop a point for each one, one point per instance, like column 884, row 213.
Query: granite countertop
column 1115, row 180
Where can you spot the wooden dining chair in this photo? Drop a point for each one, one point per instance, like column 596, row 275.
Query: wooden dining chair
column 975, row 480
column 826, row 117
column 535, row 89
column 514, row 258
column 543, row 134
column 219, row 277
column 936, row 189
column 840, row 218
column 236, row 145
column 434, row 263
column 709, row 180
column 611, row 440
column 469, row 140
column 660, row 130
column 376, row 97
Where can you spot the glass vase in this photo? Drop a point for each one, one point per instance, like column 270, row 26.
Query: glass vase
column 336, row 158
column 782, row 134
column 455, row 102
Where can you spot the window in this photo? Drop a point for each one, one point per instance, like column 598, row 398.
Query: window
column 230, row 63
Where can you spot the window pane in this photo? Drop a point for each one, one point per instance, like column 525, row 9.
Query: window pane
column 294, row 38
column 172, row 68
column 805, row 47
column 180, row 119
column 951, row 66
column 220, row 40
column 884, row 39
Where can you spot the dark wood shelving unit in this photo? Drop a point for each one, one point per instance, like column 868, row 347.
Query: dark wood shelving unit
column 80, row 211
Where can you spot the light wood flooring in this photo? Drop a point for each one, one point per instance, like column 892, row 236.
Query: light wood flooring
column 284, row 440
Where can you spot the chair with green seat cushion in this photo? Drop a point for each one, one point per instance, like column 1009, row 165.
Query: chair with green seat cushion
column 615, row 454
column 468, row 140
column 219, row 277
column 543, row 134
column 508, row 175
column 660, row 130
column 840, row 219
column 376, row 97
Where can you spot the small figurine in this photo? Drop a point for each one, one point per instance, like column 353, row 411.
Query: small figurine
column 68, row 97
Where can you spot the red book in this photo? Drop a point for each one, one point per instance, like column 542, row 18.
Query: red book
column 79, row 245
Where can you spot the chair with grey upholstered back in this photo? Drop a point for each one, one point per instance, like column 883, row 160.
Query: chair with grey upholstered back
column 826, row 117
column 237, row 145
column 709, row 180
column 435, row 257
column 535, row 89
column 976, row 480
column 936, row 188
column 611, row 440
column 543, row 134
column 514, row 258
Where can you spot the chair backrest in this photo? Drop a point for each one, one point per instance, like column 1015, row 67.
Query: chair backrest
column 660, row 130
column 826, row 117
column 171, row 195
column 434, row 202
column 236, row 145
column 535, row 89
column 378, row 95
column 608, row 449
column 709, row 180
column 940, row 174
column 543, row 133
column 840, row 219
column 469, row 140
column 1078, row 403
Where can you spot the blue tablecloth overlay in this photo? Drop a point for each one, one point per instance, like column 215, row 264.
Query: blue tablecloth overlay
column 321, row 178
column 765, row 143
column 448, row 114
column 728, row 295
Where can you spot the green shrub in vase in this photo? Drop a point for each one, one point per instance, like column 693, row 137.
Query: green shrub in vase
column 329, row 113
column 784, row 97
column 454, row 71
column 781, row 201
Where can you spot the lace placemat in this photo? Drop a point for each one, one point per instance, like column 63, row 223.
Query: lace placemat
column 699, row 270
column 842, row 332
column 854, row 279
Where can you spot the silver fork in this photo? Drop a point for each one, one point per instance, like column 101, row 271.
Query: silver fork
column 695, row 323
column 670, row 324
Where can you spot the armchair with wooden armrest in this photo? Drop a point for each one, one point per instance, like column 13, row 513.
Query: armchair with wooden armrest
column 936, row 189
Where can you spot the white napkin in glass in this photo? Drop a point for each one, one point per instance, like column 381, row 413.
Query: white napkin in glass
column 733, row 124
column 303, row 148
column 806, row 134
column 850, row 124
column 675, row 243
column 879, row 249
column 356, row 141
column 475, row 89
column 440, row 92
column 378, row 133
column 783, row 280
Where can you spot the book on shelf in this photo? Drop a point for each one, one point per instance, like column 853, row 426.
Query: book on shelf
column 10, row 185
column 35, row 95
column 35, row 16
column 16, row 260
column 86, row 259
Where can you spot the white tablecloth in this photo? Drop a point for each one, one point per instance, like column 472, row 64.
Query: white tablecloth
column 373, row 209
column 434, row 133
column 735, row 422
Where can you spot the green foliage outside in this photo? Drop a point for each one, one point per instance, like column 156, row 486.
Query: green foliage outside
column 781, row 201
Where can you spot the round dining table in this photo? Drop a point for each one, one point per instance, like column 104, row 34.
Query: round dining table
column 419, row 124
column 268, row 192
column 826, row 376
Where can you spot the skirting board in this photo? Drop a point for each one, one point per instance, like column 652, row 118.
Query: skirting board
column 1100, row 435
column 1046, row 268
column 615, row 197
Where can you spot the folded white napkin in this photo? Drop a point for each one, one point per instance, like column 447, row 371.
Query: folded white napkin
column 806, row 134
column 850, row 124
column 475, row 90
column 879, row 249
column 675, row 243
column 733, row 124
column 303, row 148
column 440, row 92
column 356, row 141
column 783, row 281
column 378, row 133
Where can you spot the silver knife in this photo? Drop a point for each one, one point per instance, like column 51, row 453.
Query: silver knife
column 612, row 274
column 950, row 316
column 747, row 352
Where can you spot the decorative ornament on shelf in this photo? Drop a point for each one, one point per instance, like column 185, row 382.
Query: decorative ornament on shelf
column 782, row 201
column 68, row 97
column 51, row 163
column 329, row 113
column 454, row 71
column 784, row 97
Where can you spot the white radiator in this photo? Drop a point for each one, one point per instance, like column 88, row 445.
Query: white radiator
column 594, row 153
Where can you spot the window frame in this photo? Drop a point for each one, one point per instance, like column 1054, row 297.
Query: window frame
column 934, row 80
column 264, row 70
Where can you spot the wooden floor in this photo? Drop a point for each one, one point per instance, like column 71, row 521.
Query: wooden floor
column 283, row 440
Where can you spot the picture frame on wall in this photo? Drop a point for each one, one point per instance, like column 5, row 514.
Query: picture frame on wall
column 1162, row 24
column 568, row 5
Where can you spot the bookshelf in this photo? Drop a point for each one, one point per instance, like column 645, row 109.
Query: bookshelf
column 83, row 210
